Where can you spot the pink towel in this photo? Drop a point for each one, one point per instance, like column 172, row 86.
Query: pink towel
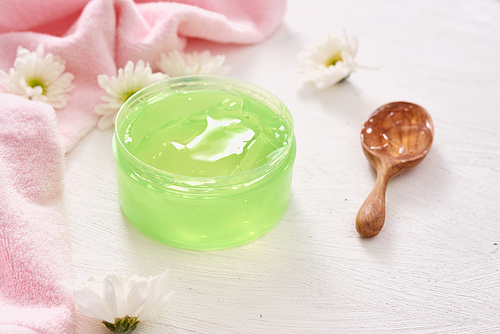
column 33, row 251
column 94, row 37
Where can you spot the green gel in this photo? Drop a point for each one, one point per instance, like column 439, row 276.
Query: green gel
column 205, row 162
column 205, row 133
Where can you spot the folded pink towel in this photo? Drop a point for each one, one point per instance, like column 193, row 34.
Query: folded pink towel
column 94, row 37
column 33, row 251
column 106, row 34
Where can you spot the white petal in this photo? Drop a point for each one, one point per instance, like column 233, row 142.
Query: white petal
column 37, row 90
column 140, row 66
column 104, row 109
column 91, row 305
column 109, row 297
column 39, row 50
column 158, row 285
column 114, row 295
column 159, row 307
column 314, row 59
column 118, row 87
column 48, row 69
column 106, row 121
column 137, row 296
column 103, row 80
column 179, row 63
column 129, row 67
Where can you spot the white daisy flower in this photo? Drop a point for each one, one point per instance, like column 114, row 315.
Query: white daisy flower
column 330, row 61
column 121, row 302
column 38, row 77
column 120, row 88
column 179, row 64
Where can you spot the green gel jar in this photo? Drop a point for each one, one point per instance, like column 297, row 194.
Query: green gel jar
column 204, row 162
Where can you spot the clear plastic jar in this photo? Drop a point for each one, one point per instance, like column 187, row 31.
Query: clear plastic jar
column 226, row 199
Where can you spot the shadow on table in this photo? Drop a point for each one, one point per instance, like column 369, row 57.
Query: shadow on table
column 414, row 200
column 343, row 99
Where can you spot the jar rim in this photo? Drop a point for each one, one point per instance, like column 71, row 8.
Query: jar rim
column 204, row 80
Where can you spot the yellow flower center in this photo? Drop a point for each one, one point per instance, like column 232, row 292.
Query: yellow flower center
column 334, row 59
column 127, row 95
column 36, row 82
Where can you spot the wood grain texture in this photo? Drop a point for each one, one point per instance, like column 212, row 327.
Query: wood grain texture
column 435, row 266
column 395, row 138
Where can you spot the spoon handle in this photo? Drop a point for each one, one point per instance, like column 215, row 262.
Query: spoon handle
column 371, row 215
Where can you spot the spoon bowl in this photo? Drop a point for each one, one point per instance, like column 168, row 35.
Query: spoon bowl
column 396, row 137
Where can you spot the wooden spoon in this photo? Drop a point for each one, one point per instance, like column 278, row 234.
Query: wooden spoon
column 395, row 138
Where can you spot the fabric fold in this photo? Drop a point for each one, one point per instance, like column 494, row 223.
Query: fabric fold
column 93, row 37
column 34, row 255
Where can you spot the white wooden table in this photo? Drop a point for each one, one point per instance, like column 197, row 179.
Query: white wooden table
column 434, row 268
